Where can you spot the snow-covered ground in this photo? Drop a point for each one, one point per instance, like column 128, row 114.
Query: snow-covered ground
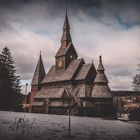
column 55, row 127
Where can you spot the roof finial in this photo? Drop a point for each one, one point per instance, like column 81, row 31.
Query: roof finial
column 100, row 58
column 66, row 22
column 92, row 61
column 40, row 53
column 66, row 5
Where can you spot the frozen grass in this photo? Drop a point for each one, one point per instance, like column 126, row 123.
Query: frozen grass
column 17, row 126
column 23, row 128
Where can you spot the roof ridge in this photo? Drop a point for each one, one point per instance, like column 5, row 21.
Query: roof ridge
column 81, row 61
column 68, row 74
column 88, row 64
column 84, row 71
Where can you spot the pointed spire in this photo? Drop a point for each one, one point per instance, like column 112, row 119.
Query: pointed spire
column 100, row 77
column 66, row 37
column 66, row 25
column 39, row 73
column 66, row 42
column 100, row 66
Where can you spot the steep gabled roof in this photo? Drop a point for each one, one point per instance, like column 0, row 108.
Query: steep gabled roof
column 68, row 74
column 100, row 78
column 50, row 93
column 83, row 72
column 63, row 51
column 46, row 92
column 39, row 73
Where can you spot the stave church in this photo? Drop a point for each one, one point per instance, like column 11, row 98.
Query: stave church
column 71, row 85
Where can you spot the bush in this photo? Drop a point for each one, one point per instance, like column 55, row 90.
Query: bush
column 134, row 114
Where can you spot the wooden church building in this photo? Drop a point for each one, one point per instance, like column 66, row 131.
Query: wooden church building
column 70, row 84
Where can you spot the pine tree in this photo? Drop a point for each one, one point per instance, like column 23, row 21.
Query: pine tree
column 136, row 82
column 9, row 82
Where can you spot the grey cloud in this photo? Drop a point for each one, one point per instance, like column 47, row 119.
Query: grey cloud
column 27, row 12
column 33, row 25
column 60, row 5
column 121, row 71
column 4, row 24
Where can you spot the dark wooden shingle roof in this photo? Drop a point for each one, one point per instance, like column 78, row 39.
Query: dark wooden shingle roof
column 101, row 91
column 101, row 88
column 39, row 73
column 63, row 51
column 50, row 93
column 101, row 78
column 68, row 74
column 83, row 71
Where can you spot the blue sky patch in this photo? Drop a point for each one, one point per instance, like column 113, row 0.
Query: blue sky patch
column 126, row 24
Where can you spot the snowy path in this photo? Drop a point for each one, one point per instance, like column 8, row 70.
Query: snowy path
column 54, row 127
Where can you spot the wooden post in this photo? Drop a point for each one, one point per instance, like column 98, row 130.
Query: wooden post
column 69, row 122
column 98, row 110
column 26, row 96
column 69, row 119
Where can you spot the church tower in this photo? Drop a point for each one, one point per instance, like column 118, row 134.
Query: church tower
column 101, row 88
column 101, row 94
column 38, row 76
column 66, row 52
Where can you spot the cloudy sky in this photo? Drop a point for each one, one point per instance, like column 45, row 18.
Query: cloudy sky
column 110, row 28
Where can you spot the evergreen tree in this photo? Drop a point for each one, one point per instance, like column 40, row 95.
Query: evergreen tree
column 9, row 82
column 136, row 82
